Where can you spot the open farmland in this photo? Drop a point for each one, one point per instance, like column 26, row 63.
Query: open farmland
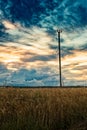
column 43, row 109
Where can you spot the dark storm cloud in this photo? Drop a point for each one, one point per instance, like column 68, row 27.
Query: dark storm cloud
column 2, row 29
column 40, row 58
column 31, row 77
column 4, row 73
column 2, row 68
column 81, row 67
column 65, row 14
column 64, row 50
column 83, row 47
column 30, row 25
column 47, row 13
column 3, row 34
column 67, row 51
column 25, row 11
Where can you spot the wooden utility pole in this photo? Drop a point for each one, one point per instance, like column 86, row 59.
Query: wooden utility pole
column 60, row 75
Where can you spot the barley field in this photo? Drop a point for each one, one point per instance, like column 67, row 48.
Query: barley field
column 43, row 109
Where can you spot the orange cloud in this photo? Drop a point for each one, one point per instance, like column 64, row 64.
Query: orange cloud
column 15, row 58
column 75, row 65
column 9, row 25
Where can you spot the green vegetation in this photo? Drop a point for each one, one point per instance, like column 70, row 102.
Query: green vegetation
column 43, row 109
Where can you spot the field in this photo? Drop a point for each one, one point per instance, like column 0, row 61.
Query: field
column 43, row 109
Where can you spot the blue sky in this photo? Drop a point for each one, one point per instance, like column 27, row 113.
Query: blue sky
column 28, row 42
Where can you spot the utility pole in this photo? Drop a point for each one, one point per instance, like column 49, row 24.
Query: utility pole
column 60, row 75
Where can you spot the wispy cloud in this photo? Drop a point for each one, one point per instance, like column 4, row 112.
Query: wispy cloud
column 28, row 42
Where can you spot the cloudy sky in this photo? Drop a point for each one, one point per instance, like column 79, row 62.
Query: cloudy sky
column 28, row 42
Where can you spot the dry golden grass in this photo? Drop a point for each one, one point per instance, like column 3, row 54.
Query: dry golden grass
column 43, row 109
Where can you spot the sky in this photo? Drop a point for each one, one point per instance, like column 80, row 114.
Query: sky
column 29, row 47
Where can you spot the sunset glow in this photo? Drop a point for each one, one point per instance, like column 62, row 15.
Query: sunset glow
column 29, row 46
